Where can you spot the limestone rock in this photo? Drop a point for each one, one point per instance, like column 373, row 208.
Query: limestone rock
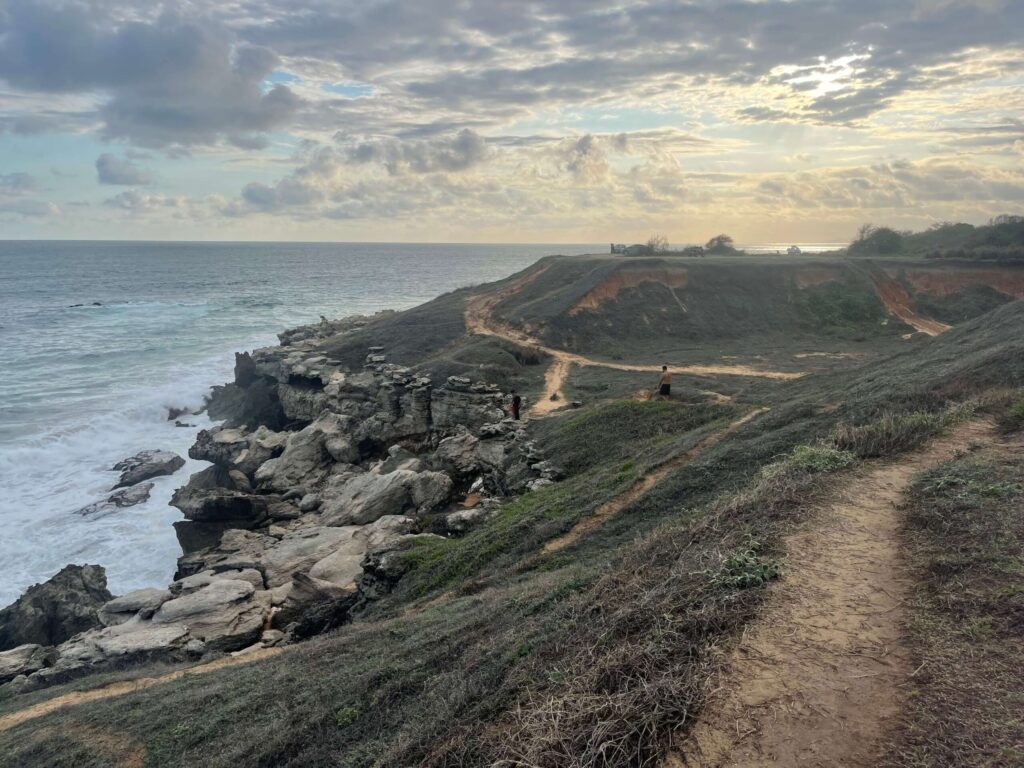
column 146, row 465
column 24, row 660
column 141, row 602
column 225, row 614
column 51, row 612
column 306, row 459
column 370, row 496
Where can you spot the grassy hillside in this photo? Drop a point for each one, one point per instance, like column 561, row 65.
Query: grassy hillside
column 492, row 651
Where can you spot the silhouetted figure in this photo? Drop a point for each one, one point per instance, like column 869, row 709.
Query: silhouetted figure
column 665, row 382
column 517, row 404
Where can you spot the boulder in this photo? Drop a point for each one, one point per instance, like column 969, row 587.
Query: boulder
column 146, row 465
column 51, row 612
column 236, row 449
column 298, row 551
column 141, row 602
column 226, row 614
column 343, row 566
column 458, row 454
column 132, row 641
column 236, row 550
column 370, row 496
column 306, row 459
column 129, row 497
column 197, row 581
column 24, row 660
column 306, row 592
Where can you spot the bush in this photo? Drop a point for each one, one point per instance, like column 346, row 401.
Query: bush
column 876, row 241
column 811, row 459
column 1012, row 420
column 889, row 434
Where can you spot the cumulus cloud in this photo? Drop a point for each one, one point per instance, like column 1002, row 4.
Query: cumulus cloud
column 170, row 80
column 448, row 153
column 111, row 169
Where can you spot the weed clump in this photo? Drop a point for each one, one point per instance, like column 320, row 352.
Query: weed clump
column 1012, row 419
column 895, row 432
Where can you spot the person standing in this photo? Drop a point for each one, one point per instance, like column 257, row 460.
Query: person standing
column 517, row 404
column 665, row 382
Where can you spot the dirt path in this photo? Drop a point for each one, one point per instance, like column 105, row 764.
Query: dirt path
column 129, row 686
column 821, row 674
column 900, row 303
column 479, row 318
column 613, row 506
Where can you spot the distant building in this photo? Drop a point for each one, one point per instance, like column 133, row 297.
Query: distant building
column 693, row 251
column 794, row 250
column 618, row 248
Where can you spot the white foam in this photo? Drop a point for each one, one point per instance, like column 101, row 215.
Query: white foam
column 46, row 477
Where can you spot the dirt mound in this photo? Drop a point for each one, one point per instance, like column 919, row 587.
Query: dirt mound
column 671, row 277
column 942, row 282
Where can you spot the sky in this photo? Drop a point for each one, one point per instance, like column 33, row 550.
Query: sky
column 550, row 121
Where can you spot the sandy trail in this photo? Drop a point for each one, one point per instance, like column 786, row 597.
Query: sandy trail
column 613, row 506
column 479, row 318
column 818, row 678
column 129, row 686
column 900, row 303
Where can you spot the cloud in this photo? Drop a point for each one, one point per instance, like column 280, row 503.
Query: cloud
column 135, row 202
column 111, row 169
column 169, row 80
column 29, row 208
column 447, row 153
column 19, row 183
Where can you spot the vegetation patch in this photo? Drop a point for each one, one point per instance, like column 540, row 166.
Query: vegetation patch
column 846, row 310
column 964, row 536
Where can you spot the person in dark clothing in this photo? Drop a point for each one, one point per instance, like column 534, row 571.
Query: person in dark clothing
column 517, row 403
column 665, row 382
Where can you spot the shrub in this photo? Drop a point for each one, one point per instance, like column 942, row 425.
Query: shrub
column 1012, row 419
column 811, row 459
column 889, row 434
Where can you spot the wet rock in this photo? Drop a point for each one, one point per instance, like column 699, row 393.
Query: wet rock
column 146, row 465
column 129, row 497
column 51, row 612
column 24, row 660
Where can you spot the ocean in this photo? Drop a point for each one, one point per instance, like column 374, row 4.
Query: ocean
column 99, row 339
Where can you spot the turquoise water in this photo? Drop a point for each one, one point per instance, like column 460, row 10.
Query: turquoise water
column 83, row 387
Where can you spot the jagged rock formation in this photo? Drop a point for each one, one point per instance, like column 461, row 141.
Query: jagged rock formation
column 146, row 465
column 51, row 612
column 318, row 474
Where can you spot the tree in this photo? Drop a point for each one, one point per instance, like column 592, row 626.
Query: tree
column 720, row 244
column 657, row 244
column 876, row 241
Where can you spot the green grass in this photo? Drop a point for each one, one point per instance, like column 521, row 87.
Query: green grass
column 964, row 535
column 848, row 310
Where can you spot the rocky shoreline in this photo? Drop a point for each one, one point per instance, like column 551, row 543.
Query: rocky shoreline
column 317, row 474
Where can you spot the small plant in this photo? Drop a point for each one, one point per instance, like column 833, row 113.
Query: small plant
column 345, row 716
column 811, row 459
column 748, row 569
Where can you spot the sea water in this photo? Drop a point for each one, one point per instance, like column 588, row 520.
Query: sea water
column 99, row 339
